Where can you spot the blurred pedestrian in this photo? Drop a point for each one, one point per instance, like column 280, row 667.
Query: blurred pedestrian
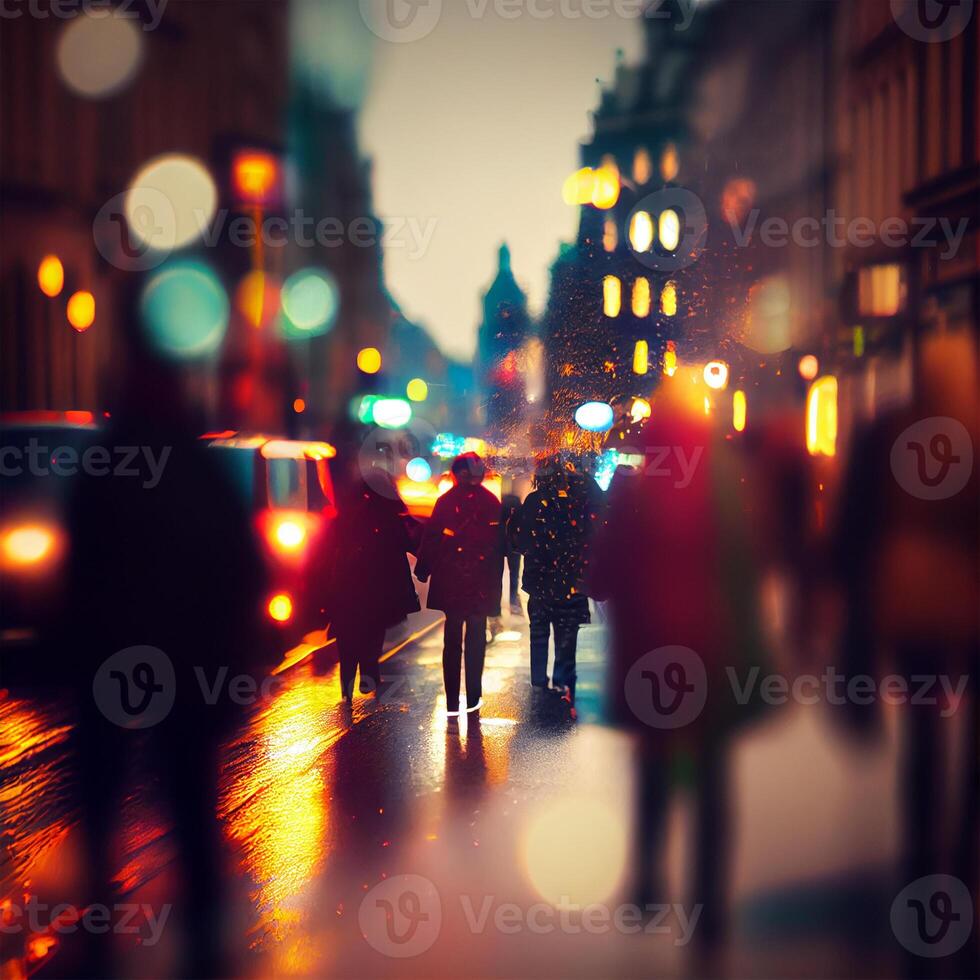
column 463, row 551
column 908, row 561
column 173, row 567
column 674, row 564
column 554, row 530
column 362, row 570
column 511, row 505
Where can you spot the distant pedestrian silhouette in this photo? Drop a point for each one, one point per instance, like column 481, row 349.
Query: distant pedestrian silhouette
column 554, row 530
column 362, row 570
column 463, row 550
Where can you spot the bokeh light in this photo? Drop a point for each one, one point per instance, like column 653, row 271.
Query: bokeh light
column 369, row 360
column 640, row 409
column 594, row 417
column 281, row 607
column 170, row 202
column 808, row 367
column 185, row 309
column 257, row 298
column 309, row 302
column 605, row 190
column 299, row 406
column 26, row 545
column 81, row 310
column 99, row 55
column 716, row 374
column 51, row 275
column 391, row 413
column 417, row 390
column 591, row 830
column 418, row 470
column 670, row 163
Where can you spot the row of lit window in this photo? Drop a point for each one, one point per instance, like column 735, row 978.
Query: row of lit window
column 643, row 166
column 612, row 297
column 642, row 232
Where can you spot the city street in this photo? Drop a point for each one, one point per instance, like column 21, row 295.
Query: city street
column 509, row 819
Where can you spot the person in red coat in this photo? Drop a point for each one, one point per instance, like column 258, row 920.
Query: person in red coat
column 463, row 551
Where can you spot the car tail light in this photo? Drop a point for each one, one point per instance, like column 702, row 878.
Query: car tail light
column 281, row 607
column 28, row 546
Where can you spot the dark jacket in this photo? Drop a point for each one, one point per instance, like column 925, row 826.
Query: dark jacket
column 362, row 569
column 463, row 549
column 554, row 530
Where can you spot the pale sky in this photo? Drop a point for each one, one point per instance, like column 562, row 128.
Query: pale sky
column 472, row 130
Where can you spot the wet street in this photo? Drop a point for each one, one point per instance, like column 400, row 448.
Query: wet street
column 378, row 841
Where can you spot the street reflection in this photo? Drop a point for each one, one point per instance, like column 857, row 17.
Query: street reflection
column 275, row 804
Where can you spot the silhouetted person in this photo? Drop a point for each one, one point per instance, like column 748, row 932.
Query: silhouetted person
column 554, row 530
column 463, row 550
column 511, row 505
column 173, row 566
column 676, row 574
column 907, row 558
column 363, row 571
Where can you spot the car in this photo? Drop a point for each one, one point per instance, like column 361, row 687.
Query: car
column 288, row 489
column 40, row 458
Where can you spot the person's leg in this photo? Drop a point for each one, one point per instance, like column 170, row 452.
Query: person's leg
column 514, row 572
column 540, row 631
column 710, row 883
column 370, row 644
column 649, row 831
column 476, row 648
column 566, row 644
column 452, row 655
column 347, row 654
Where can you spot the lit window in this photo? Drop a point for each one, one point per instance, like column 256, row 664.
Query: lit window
column 670, row 229
column 610, row 236
column 611, row 296
column 642, row 166
column 641, row 231
column 641, row 297
column 821, row 417
column 668, row 299
column 738, row 411
column 881, row 290
column 641, row 357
